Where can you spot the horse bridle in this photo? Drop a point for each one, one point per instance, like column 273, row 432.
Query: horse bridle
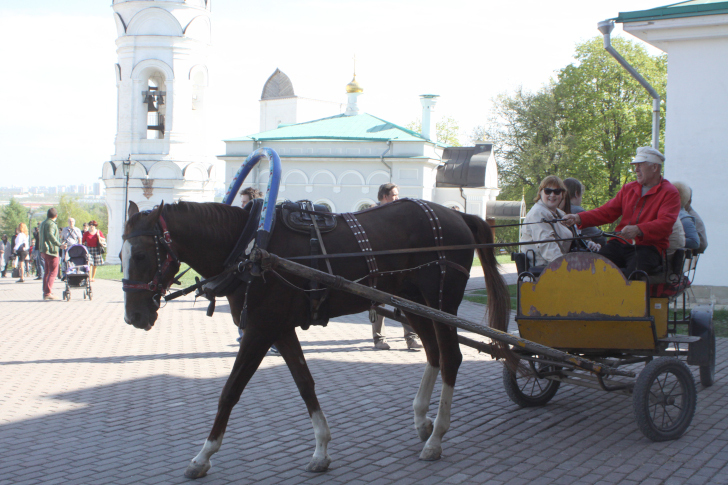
column 170, row 265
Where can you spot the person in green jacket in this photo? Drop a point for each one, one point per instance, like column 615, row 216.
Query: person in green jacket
column 50, row 243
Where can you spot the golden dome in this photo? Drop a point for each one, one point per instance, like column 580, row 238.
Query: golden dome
column 354, row 87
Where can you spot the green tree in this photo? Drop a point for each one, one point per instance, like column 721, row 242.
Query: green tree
column 526, row 131
column 447, row 130
column 12, row 215
column 587, row 123
column 68, row 206
column 607, row 113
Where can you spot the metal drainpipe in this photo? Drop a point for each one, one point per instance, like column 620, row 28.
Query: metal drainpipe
column 465, row 200
column 381, row 159
column 606, row 27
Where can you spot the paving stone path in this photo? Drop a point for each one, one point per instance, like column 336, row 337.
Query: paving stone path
column 87, row 399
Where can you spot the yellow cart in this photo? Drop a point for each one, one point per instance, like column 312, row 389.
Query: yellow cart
column 584, row 305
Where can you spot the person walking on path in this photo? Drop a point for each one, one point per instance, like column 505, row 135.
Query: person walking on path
column 21, row 249
column 36, row 253
column 390, row 193
column 49, row 246
column 94, row 240
column 3, row 246
column 70, row 236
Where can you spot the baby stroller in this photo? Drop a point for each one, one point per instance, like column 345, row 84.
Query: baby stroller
column 76, row 269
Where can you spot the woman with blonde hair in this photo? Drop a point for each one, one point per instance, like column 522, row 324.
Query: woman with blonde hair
column 21, row 249
column 551, row 192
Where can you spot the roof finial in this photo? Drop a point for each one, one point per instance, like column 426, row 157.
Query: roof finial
column 353, row 86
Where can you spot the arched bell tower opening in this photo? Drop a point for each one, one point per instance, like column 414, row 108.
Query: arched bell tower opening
column 161, row 77
column 156, row 107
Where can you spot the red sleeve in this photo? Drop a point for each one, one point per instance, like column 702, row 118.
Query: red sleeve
column 660, row 227
column 605, row 214
column 84, row 239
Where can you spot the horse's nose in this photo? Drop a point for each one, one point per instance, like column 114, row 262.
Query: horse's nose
column 136, row 317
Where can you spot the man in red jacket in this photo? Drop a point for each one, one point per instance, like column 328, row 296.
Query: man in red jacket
column 649, row 207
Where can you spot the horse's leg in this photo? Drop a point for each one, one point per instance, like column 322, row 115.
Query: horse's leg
column 421, row 404
column 450, row 360
column 252, row 350
column 290, row 349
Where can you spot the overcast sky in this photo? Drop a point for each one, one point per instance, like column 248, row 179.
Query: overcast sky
column 59, row 109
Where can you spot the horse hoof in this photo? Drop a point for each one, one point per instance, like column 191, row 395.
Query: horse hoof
column 431, row 454
column 425, row 430
column 318, row 466
column 197, row 471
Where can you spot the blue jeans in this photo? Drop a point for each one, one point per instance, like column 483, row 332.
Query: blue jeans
column 39, row 268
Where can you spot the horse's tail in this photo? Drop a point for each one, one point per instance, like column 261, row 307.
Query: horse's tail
column 499, row 300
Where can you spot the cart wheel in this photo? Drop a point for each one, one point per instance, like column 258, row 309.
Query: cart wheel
column 664, row 399
column 530, row 391
column 707, row 372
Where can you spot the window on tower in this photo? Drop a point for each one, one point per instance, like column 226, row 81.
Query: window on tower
column 154, row 101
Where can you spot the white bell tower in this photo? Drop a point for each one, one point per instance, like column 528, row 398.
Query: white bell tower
column 161, row 77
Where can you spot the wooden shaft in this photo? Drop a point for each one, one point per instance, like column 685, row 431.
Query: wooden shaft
column 271, row 261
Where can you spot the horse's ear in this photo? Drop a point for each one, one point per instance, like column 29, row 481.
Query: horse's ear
column 133, row 209
column 154, row 216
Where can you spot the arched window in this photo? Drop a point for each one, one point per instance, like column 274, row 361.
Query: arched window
column 154, row 100
column 364, row 205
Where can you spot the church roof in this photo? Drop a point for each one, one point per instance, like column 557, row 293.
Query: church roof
column 278, row 85
column 691, row 8
column 362, row 127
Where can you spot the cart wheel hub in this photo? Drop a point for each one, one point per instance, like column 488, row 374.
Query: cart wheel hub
column 670, row 400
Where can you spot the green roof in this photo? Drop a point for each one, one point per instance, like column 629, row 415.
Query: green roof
column 691, row 8
column 362, row 127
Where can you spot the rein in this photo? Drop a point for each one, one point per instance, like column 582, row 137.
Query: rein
column 171, row 263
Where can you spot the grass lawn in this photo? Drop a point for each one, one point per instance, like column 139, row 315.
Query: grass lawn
column 113, row 272
column 481, row 296
column 720, row 322
column 501, row 258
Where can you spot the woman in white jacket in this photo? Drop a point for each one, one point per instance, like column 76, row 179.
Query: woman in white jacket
column 551, row 192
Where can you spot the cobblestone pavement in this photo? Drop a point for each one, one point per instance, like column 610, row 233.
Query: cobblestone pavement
column 87, row 399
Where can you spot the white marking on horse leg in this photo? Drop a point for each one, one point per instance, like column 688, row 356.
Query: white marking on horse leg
column 200, row 464
column 433, row 447
column 320, row 460
column 125, row 260
column 421, row 404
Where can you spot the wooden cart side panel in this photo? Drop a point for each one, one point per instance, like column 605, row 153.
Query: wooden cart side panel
column 584, row 334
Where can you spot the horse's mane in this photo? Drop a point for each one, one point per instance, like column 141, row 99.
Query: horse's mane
column 212, row 221
column 209, row 220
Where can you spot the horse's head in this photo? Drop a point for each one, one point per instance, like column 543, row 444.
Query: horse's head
column 148, row 264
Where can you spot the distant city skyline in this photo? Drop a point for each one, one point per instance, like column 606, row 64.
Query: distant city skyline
column 61, row 111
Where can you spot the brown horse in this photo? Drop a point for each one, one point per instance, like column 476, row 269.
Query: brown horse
column 202, row 235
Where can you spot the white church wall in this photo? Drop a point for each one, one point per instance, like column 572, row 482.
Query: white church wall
column 696, row 124
column 277, row 111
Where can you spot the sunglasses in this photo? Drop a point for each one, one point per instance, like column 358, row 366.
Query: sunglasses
column 549, row 191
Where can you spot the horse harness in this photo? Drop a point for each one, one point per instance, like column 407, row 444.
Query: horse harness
column 365, row 246
column 170, row 265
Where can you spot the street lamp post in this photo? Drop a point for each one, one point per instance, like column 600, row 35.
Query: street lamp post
column 126, row 167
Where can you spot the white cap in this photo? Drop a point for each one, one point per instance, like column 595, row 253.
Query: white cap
column 648, row 154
